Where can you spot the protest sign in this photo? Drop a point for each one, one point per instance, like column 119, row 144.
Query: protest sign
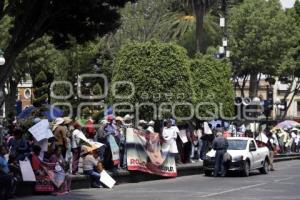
column 262, row 137
column 27, row 171
column 207, row 129
column 96, row 144
column 106, row 179
column 183, row 137
column 82, row 137
column 41, row 130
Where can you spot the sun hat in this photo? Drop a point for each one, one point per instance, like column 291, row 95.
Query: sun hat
column 59, row 121
column 67, row 120
column 151, row 123
column 128, row 117
column 142, row 122
column 118, row 118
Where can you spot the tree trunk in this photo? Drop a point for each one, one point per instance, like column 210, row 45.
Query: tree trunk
column 10, row 56
column 284, row 114
column 11, row 97
column 199, row 9
column 253, row 88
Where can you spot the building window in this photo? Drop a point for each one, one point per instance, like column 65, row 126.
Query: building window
column 27, row 93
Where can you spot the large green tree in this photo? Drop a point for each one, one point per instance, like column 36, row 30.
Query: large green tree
column 83, row 19
column 289, row 70
column 260, row 34
column 143, row 21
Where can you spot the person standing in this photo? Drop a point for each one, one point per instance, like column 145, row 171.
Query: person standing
column 197, row 142
column 60, row 135
column 220, row 145
column 18, row 145
column 69, row 129
column 76, row 147
column 272, row 148
column 206, row 137
column 151, row 126
column 127, row 124
column 297, row 141
column 6, row 181
column 90, row 129
column 169, row 135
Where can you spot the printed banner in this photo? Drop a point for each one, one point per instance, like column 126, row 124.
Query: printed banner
column 114, row 149
column 144, row 154
column 55, row 173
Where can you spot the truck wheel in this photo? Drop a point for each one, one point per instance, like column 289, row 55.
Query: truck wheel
column 265, row 168
column 246, row 170
column 207, row 173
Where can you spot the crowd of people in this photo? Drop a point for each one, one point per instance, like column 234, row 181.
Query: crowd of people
column 61, row 155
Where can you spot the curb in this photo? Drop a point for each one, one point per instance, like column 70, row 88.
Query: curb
column 124, row 176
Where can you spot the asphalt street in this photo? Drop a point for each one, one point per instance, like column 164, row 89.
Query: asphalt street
column 282, row 184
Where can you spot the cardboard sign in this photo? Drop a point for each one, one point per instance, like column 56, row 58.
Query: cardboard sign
column 43, row 144
column 183, row 137
column 41, row 130
column 106, row 179
column 262, row 137
column 96, row 144
column 207, row 130
column 27, row 171
column 82, row 137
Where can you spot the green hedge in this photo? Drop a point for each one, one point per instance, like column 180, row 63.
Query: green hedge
column 154, row 69
column 212, row 84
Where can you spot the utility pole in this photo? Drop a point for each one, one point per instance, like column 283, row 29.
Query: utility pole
column 223, row 49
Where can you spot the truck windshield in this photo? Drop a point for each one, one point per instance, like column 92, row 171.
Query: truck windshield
column 237, row 144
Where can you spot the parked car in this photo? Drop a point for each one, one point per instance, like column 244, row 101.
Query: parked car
column 245, row 156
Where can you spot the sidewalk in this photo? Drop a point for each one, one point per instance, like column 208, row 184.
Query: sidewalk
column 124, row 176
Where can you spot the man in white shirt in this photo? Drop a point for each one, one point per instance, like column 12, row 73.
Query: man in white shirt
column 293, row 140
column 151, row 126
column 169, row 135
column 75, row 145
column 297, row 141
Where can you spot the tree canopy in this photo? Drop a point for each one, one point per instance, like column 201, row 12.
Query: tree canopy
column 159, row 73
column 260, row 34
column 212, row 85
column 82, row 19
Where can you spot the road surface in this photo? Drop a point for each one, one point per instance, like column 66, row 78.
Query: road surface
column 282, row 184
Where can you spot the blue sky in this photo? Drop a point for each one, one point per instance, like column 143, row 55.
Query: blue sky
column 287, row 3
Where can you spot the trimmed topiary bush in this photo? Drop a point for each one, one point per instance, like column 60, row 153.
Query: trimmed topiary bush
column 159, row 73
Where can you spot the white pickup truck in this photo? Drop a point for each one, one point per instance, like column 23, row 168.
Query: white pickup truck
column 245, row 157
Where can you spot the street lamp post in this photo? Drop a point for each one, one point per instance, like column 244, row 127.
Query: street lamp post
column 2, row 59
column 223, row 49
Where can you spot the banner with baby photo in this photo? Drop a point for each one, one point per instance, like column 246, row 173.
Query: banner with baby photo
column 144, row 154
